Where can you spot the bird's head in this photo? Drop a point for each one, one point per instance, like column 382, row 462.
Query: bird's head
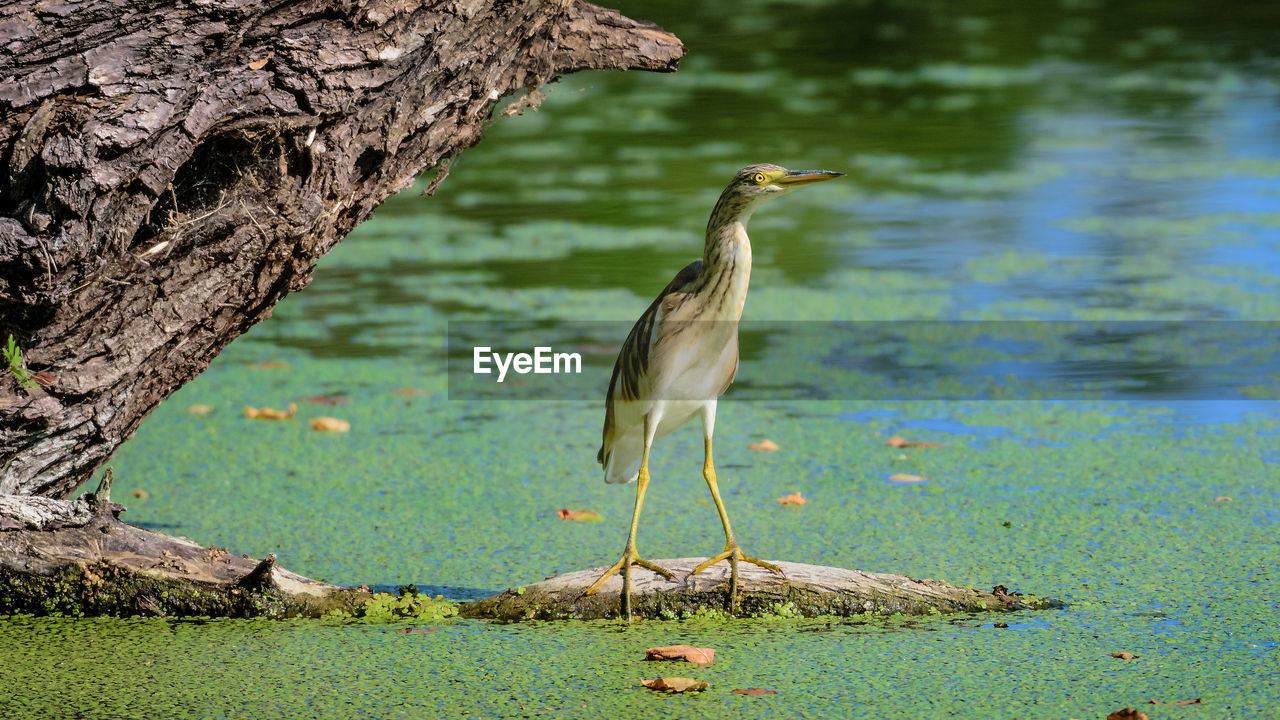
column 756, row 183
column 753, row 185
column 765, row 180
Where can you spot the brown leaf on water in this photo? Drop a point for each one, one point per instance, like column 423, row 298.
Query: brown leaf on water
column 267, row 413
column 754, row 691
column 899, row 442
column 1223, row 498
column 675, row 684
column 325, row 399
column 259, row 64
column 415, row 630
column 792, row 499
column 765, row 445
column 269, row 365
column 200, row 409
column 328, row 424
column 906, row 478
column 1179, row 702
column 579, row 515
column 1127, row 714
column 140, row 494
column 408, row 392
column 688, row 653
column 1123, row 655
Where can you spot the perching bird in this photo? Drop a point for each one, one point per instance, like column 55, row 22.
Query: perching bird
column 680, row 357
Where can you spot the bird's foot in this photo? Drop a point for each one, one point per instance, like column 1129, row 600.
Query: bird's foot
column 734, row 555
column 629, row 558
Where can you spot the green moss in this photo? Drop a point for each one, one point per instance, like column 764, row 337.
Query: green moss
column 385, row 607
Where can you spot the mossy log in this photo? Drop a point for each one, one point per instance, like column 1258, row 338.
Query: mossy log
column 806, row 590
column 78, row 558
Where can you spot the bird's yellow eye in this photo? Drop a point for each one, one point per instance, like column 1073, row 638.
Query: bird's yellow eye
column 760, row 178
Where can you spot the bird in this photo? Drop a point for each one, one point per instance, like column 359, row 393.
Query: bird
column 680, row 357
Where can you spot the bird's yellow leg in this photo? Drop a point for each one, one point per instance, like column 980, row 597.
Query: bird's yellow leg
column 732, row 552
column 629, row 554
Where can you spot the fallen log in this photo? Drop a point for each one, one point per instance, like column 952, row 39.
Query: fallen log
column 802, row 590
column 77, row 558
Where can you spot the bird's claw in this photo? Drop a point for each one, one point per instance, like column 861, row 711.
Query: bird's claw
column 734, row 554
column 629, row 557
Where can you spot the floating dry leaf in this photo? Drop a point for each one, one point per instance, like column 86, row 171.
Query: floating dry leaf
column 754, row 691
column 328, row 424
column 793, row 499
column 1123, row 655
column 579, row 515
column 259, row 64
column 200, row 409
column 675, row 684
column 325, row 399
column 415, row 630
column 898, row 442
column 1179, row 702
column 140, row 494
column 267, row 413
column 906, row 478
column 1127, row 714
column 765, row 445
column 688, row 653
column 269, row 365
column 1223, row 498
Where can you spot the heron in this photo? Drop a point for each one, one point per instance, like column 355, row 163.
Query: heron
column 680, row 357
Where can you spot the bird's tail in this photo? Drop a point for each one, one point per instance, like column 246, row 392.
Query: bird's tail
column 621, row 463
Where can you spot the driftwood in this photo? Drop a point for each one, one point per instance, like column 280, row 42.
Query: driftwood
column 805, row 590
column 77, row 558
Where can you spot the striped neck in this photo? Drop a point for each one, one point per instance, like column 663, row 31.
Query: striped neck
column 727, row 233
column 726, row 260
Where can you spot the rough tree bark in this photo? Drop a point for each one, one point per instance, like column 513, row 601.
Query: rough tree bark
column 173, row 168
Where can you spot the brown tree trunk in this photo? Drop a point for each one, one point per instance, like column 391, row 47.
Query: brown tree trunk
column 172, row 169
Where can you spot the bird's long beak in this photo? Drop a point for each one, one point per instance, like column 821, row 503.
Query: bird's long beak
column 804, row 177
